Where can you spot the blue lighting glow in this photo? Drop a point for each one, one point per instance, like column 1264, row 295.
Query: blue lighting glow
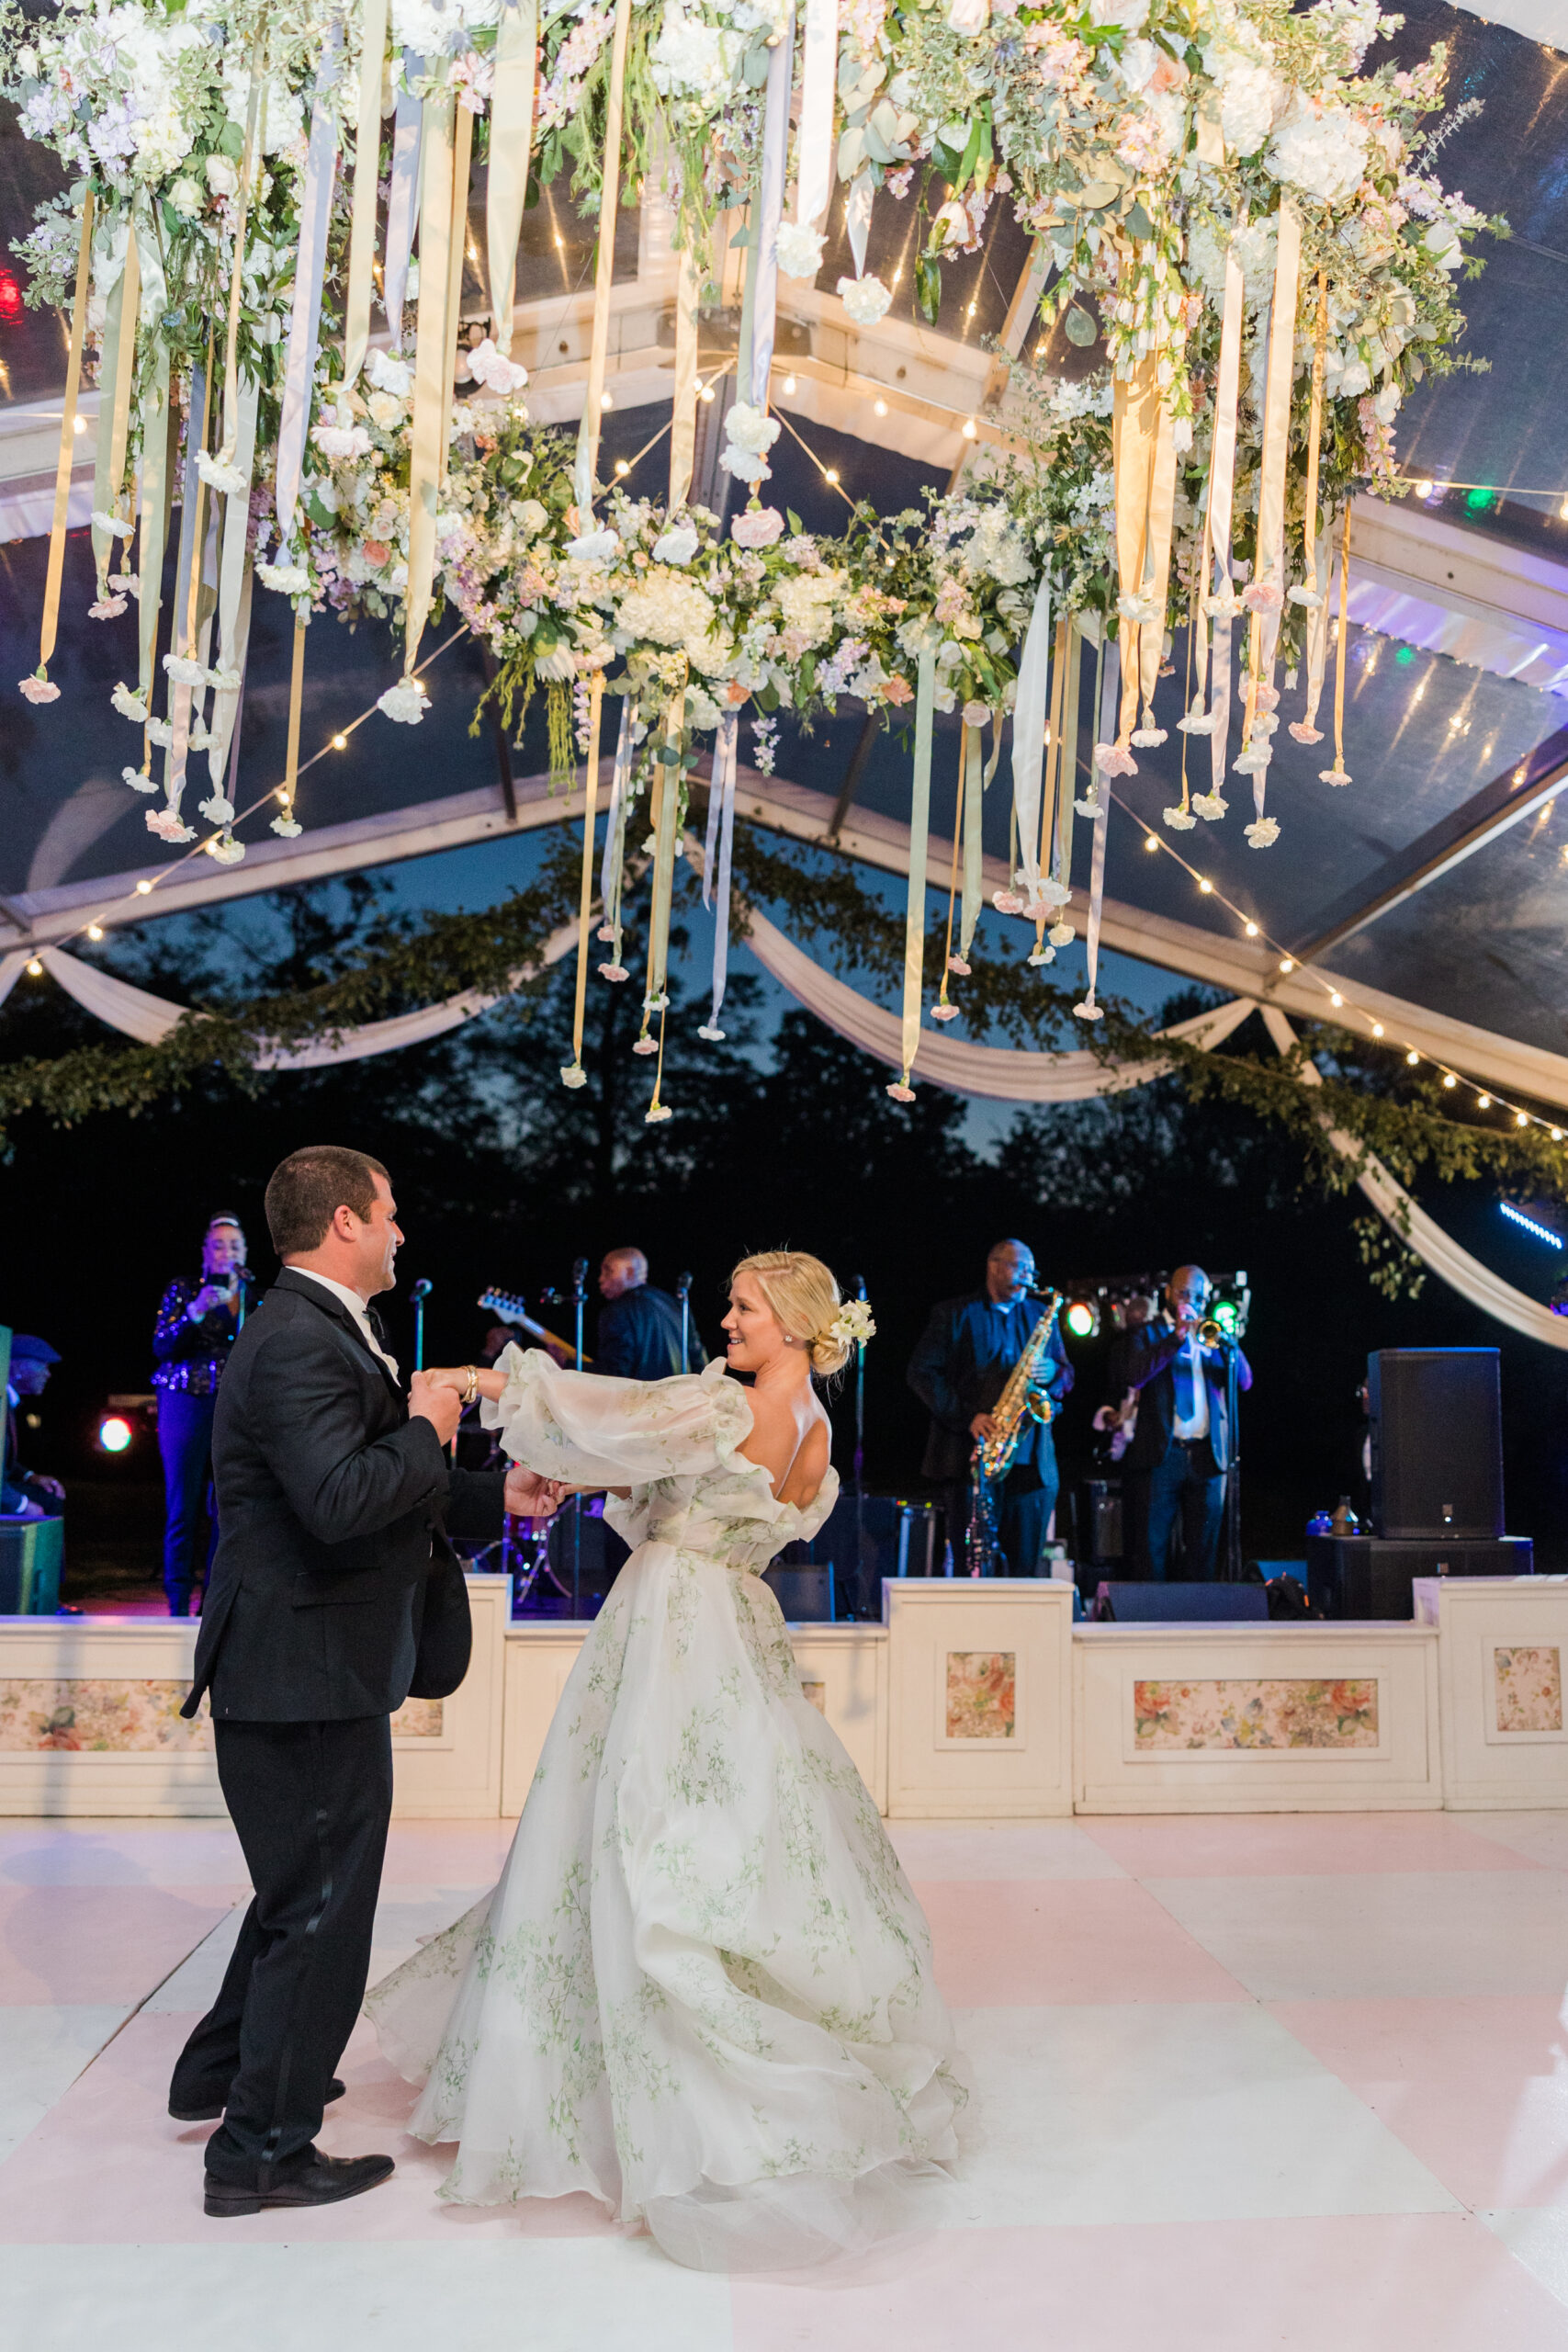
column 1531, row 1225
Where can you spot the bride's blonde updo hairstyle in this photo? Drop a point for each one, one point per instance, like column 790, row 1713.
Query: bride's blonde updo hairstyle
column 805, row 1298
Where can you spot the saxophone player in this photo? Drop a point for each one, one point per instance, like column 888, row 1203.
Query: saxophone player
column 958, row 1371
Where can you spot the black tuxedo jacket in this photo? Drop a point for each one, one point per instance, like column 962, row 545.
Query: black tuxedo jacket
column 332, row 1506
column 1144, row 1362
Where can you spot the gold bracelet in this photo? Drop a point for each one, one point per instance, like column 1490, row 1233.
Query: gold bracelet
column 472, row 1390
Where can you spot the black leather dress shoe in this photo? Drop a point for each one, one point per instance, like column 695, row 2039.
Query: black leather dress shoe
column 325, row 2180
column 211, row 2113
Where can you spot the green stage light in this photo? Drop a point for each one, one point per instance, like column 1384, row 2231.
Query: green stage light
column 114, row 1434
column 1224, row 1316
column 1478, row 501
column 1082, row 1318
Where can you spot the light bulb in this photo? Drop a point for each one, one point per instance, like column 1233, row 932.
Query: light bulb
column 606, row 400
column 1521, row 1118
column 1451, row 1079
column 1252, row 931
column 1413, row 1057
column 969, row 428
column 831, row 474
column 78, row 424
column 1377, row 1028
column 1207, row 889
column 1422, row 490
column 879, row 408
column 95, row 930
column 622, row 467
column 1287, row 963
column 1335, row 997
column 142, row 888
column 1556, row 1134
column 789, row 386
column 340, row 742
column 707, row 391
column 1150, row 842
column 35, row 970
column 1484, row 1101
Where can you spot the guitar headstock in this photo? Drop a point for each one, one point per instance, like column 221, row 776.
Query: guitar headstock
column 510, row 1307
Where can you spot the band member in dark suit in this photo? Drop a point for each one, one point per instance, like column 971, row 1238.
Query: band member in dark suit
column 334, row 1500
column 958, row 1371
column 1182, row 1445
column 196, row 1326
column 27, row 1494
column 639, row 1328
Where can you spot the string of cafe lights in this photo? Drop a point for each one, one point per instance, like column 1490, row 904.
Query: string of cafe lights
column 1486, row 1098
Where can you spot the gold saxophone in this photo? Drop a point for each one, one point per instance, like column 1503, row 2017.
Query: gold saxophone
column 1022, row 1399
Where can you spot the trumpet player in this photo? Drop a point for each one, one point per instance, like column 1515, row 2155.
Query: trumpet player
column 1175, row 1466
column 958, row 1371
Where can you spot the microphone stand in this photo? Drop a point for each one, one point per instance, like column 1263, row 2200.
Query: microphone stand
column 1233, row 1467
column 860, row 1446
column 684, row 1293
column 579, row 1294
column 419, row 1293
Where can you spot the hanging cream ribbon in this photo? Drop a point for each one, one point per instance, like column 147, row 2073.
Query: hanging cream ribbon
column 1314, row 563
column 309, row 271
column 920, row 836
column 857, row 218
column 155, row 451
column 1156, row 586
column 1268, row 570
column 67, row 441
column 510, row 145
column 1053, row 785
column 1338, row 773
column 233, row 579
column 255, row 106
column 287, row 822
column 457, row 254
column 614, row 869
column 1067, row 789
column 1134, row 435
column 187, row 580
column 402, row 204
column 721, row 805
column 770, row 208
column 1221, row 502
column 367, row 173
column 1028, row 739
column 814, row 144
column 573, row 1074
column 684, row 413
column 604, row 270
column 431, row 377
column 1105, row 724
column 973, row 839
column 665, row 835
column 115, row 375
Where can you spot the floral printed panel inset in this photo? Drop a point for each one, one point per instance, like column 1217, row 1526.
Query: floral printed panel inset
column 100, row 1716
column 420, row 1719
column 1529, row 1689
column 1295, row 1714
column 982, row 1693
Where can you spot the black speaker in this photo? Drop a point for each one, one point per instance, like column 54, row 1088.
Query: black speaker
column 1437, row 1417
column 1363, row 1576
column 805, row 1595
column 1151, row 1604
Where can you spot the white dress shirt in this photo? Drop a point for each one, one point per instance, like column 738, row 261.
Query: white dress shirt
column 356, row 1307
column 1198, row 1425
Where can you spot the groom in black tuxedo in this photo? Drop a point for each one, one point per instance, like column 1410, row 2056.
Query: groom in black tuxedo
column 336, row 1501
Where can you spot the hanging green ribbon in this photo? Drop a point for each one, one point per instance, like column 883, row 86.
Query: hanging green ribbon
column 919, row 837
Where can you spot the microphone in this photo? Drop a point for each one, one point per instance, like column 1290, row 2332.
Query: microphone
column 579, row 1275
column 420, row 1289
column 683, row 1287
column 859, row 1287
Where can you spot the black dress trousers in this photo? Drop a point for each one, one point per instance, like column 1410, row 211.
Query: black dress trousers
column 310, row 1802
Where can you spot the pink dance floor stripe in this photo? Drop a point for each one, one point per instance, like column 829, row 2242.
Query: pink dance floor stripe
column 1286, row 1845
column 1006, row 1943
column 64, row 1944
column 1364, row 2283
column 1477, row 2088
column 107, row 2167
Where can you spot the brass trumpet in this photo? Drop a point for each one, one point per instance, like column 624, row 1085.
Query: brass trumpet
column 1213, row 1334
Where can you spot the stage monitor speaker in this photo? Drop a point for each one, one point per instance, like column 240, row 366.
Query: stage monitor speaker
column 1437, row 1419
column 1368, row 1576
column 805, row 1595
column 1181, row 1604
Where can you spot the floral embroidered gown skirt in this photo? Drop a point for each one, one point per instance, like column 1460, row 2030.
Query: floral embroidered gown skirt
column 702, row 1990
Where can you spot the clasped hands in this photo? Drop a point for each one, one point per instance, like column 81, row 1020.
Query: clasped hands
column 438, row 1395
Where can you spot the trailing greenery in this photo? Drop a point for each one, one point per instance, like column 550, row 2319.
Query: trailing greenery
column 1367, row 1095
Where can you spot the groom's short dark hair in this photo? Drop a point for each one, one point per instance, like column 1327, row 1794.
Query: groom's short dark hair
column 305, row 1193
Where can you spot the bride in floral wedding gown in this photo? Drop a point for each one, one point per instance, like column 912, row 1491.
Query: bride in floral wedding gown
column 702, row 1991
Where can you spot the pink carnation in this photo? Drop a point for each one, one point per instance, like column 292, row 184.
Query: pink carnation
column 760, row 526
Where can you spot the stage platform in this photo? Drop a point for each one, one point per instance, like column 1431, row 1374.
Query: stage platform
column 969, row 1702
column 1271, row 2082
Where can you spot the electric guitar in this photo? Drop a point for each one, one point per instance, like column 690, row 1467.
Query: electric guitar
column 508, row 1306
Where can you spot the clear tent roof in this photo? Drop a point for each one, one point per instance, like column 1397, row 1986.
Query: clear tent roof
column 1438, row 747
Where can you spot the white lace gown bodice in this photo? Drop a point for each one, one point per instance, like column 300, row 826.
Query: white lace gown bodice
column 702, row 1990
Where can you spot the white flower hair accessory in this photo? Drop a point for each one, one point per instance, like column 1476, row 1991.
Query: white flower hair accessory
column 853, row 1325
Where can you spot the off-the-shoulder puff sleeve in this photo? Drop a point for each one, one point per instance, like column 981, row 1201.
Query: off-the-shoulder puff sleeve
column 594, row 1432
